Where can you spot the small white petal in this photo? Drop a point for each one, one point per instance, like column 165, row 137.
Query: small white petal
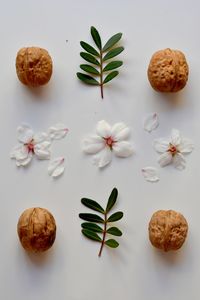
column 103, row 129
column 151, row 122
column 40, row 137
column 58, row 131
column 165, row 159
column 120, row 132
column 179, row 161
column 175, row 137
column 56, row 167
column 24, row 162
column 93, row 144
column 186, row 146
column 42, row 150
column 161, row 145
column 122, row 149
column 103, row 158
column 19, row 152
column 24, row 133
column 150, row 174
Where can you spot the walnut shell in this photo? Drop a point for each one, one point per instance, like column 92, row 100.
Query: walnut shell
column 168, row 71
column 167, row 230
column 36, row 229
column 33, row 66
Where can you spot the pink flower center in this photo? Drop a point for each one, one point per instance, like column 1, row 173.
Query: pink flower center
column 172, row 149
column 30, row 146
column 109, row 141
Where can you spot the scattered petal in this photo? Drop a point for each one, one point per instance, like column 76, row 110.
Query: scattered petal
column 93, row 144
column 186, row 146
column 179, row 161
column 122, row 149
column 103, row 129
column 103, row 158
column 175, row 137
column 150, row 174
column 161, row 145
column 56, row 167
column 165, row 159
column 151, row 122
column 120, row 132
column 58, row 131
column 24, row 133
column 42, row 151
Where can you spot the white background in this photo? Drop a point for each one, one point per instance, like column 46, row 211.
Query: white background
column 71, row 269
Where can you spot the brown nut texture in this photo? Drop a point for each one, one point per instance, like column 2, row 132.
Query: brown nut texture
column 167, row 230
column 36, row 229
column 168, row 71
column 34, row 66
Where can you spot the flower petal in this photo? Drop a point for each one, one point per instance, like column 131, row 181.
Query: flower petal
column 40, row 137
column 122, row 149
column 120, row 132
column 165, row 159
column 150, row 174
column 179, row 161
column 186, row 146
column 175, row 137
column 42, row 150
column 103, row 158
column 24, row 162
column 151, row 122
column 103, row 129
column 161, row 145
column 56, row 167
column 93, row 144
column 24, row 133
column 58, row 131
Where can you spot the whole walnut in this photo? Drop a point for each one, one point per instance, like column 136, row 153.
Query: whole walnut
column 168, row 71
column 33, row 66
column 167, row 230
column 36, row 229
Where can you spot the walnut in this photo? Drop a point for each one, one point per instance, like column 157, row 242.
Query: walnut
column 36, row 229
column 33, row 66
column 168, row 70
column 167, row 230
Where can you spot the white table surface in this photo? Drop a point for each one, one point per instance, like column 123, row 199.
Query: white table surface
column 71, row 269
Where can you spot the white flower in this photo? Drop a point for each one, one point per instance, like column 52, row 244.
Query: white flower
column 58, row 131
column 107, row 140
column 30, row 144
column 173, row 150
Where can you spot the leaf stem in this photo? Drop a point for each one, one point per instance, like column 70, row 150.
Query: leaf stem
column 104, row 235
column 101, row 73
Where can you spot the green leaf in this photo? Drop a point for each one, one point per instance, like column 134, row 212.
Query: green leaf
column 88, row 57
column 91, row 235
column 115, row 217
column 113, row 53
column 87, row 79
column 114, row 231
column 91, row 227
column 91, row 218
column 89, row 69
column 110, row 76
column 96, row 37
column 112, row 199
column 112, row 243
column 89, row 48
column 92, row 204
column 112, row 41
column 113, row 65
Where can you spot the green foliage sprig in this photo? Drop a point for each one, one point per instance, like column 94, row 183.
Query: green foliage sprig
column 98, row 57
column 95, row 232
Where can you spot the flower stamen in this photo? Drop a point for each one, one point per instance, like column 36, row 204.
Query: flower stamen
column 30, row 146
column 109, row 141
column 172, row 149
